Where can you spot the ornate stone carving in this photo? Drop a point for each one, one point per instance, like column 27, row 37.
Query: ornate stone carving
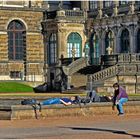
column 100, row 13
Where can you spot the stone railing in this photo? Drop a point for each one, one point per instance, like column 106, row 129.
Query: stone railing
column 76, row 13
column 75, row 66
column 103, row 74
column 63, row 13
column 129, row 58
column 123, row 58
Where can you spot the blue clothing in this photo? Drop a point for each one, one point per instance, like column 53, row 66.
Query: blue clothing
column 121, row 96
column 120, row 105
column 52, row 101
column 66, row 100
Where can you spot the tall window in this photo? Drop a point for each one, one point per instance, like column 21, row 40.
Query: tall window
column 123, row 2
column 109, row 43
column 125, row 45
column 93, row 5
column 74, row 43
column 96, row 46
column 52, row 49
column 138, row 41
column 107, row 4
column 137, row 2
column 16, row 40
column 94, row 49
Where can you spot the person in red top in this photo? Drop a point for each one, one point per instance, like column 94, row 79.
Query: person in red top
column 120, row 97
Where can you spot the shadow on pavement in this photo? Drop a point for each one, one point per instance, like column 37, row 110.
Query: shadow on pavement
column 104, row 130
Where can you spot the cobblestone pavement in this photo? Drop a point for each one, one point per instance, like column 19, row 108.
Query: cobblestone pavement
column 95, row 127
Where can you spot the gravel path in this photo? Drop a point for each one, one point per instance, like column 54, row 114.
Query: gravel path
column 96, row 127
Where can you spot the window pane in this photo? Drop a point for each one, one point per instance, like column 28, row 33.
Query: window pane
column 93, row 5
column 107, row 4
column 52, row 49
column 16, row 40
column 74, row 40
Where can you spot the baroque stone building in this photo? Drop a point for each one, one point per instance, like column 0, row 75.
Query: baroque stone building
column 104, row 35
column 63, row 31
column 21, row 47
column 113, row 31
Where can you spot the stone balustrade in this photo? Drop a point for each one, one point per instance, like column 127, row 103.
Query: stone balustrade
column 75, row 66
column 106, row 73
column 64, row 13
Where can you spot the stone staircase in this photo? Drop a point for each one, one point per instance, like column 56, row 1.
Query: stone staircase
column 97, row 79
column 75, row 66
column 126, row 71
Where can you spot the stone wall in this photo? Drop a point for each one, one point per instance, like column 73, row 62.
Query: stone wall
column 78, row 80
column 34, row 43
column 17, row 112
column 130, row 83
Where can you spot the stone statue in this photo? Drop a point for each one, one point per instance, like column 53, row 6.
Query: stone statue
column 73, row 51
column 100, row 13
column 60, row 5
column 131, row 8
column 109, row 50
column 115, row 11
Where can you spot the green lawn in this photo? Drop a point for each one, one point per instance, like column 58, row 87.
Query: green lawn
column 14, row 87
column 17, row 89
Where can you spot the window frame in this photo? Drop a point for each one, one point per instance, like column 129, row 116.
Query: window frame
column 93, row 5
column 74, row 40
column 52, row 49
column 16, row 40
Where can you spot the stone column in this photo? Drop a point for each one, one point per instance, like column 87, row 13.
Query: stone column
column 115, row 40
column 132, row 39
column 68, row 82
column 59, row 43
column 45, row 56
column 85, row 5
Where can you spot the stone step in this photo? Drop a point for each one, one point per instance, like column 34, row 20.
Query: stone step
column 5, row 115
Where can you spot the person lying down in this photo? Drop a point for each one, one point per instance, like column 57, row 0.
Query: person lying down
column 91, row 96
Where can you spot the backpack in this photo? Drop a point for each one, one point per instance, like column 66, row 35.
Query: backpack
column 29, row 102
column 33, row 103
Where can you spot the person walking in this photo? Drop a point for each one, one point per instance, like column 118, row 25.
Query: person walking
column 120, row 97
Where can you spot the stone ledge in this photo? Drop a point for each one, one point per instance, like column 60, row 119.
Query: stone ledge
column 27, row 112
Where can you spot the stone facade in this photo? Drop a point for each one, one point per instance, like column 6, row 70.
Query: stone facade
column 31, row 67
column 62, row 25
column 108, row 22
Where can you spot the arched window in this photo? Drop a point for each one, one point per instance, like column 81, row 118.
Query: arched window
column 109, row 43
column 94, row 49
column 74, row 42
column 123, row 2
column 125, row 45
column 107, row 4
column 16, row 40
column 93, row 5
column 52, row 49
column 138, row 41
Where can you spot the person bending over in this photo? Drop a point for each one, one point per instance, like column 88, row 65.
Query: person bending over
column 120, row 97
